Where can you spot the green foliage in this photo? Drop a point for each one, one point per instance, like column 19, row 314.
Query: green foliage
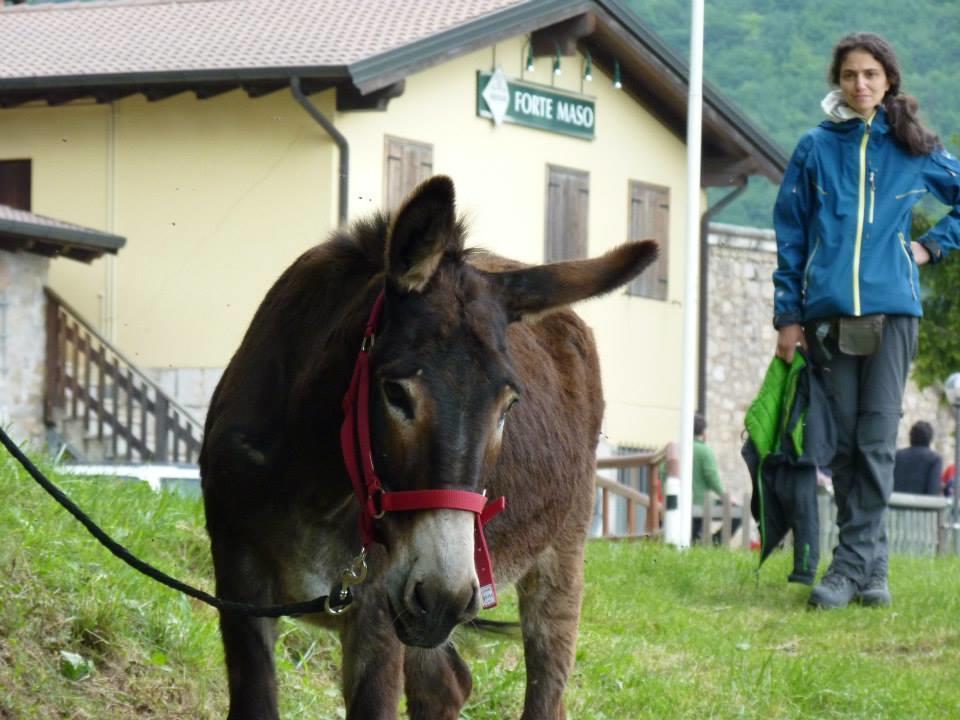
column 665, row 634
column 939, row 354
column 771, row 59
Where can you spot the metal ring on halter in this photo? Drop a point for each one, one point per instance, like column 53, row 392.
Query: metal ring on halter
column 343, row 598
column 366, row 345
column 355, row 574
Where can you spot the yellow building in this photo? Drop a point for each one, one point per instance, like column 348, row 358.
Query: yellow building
column 223, row 138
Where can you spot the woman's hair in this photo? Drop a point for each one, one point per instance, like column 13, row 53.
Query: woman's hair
column 901, row 109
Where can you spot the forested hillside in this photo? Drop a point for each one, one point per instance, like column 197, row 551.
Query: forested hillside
column 771, row 57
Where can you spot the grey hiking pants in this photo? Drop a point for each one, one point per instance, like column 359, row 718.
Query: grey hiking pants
column 866, row 396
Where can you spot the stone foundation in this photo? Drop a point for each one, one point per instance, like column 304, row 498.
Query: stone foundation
column 22, row 345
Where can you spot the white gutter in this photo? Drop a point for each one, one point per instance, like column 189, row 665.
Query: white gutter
column 108, row 307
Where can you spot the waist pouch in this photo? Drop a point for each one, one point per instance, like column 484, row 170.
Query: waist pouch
column 848, row 335
column 859, row 335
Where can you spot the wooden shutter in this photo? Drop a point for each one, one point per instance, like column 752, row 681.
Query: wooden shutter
column 568, row 202
column 15, row 183
column 406, row 164
column 650, row 218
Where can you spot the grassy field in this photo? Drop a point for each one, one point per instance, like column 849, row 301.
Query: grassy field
column 665, row 634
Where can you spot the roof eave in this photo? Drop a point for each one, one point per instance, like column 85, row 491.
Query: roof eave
column 84, row 245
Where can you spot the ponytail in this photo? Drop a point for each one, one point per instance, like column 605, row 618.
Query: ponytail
column 902, row 114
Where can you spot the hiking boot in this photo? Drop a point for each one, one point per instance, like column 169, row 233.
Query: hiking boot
column 875, row 593
column 833, row 591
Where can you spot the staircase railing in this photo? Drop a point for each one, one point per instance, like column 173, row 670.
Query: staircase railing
column 103, row 404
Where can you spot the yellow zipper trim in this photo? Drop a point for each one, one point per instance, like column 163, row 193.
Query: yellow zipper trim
column 860, row 212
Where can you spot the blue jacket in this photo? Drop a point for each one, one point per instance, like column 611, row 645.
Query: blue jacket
column 842, row 220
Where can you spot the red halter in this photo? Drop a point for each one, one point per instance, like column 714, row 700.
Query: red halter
column 374, row 500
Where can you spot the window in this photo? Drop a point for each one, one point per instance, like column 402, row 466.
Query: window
column 568, row 199
column 650, row 219
column 15, row 183
column 406, row 164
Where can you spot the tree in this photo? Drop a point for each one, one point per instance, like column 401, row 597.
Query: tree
column 939, row 353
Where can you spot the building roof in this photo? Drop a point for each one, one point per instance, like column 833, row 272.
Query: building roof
column 26, row 231
column 60, row 52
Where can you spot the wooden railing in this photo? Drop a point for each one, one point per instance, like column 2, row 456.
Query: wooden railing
column 915, row 524
column 732, row 517
column 633, row 465
column 102, row 404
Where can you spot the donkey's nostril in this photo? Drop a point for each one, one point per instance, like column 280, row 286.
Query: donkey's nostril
column 473, row 604
column 420, row 605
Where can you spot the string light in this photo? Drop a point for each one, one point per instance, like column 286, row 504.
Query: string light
column 588, row 68
column 616, row 75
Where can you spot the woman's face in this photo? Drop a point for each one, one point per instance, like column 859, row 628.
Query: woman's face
column 863, row 81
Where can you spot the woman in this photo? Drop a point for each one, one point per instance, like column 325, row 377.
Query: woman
column 847, row 285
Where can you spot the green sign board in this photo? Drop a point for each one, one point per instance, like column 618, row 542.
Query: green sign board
column 533, row 105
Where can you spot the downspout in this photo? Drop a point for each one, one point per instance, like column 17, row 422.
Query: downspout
column 704, row 277
column 338, row 138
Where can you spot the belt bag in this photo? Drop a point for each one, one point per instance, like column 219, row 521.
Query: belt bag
column 859, row 335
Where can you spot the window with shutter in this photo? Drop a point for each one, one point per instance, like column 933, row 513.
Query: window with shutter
column 15, row 184
column 650, row 219
column 568, row 202
column 406, row 164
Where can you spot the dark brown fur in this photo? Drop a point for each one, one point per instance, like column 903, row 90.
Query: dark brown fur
column 449, row 360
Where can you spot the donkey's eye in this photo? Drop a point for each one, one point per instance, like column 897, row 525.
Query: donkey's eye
column 503, row 415
column 397, row 396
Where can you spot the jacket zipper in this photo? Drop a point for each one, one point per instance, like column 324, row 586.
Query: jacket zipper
column 901, row 196
column 903, row 246
column 861, row 212
column 873, row 192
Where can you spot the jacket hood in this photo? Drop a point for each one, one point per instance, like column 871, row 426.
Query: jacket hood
column 843, row 118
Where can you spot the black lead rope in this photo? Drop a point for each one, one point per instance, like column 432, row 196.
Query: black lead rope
column 337, row 602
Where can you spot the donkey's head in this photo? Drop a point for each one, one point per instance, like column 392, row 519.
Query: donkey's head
column 442, row 388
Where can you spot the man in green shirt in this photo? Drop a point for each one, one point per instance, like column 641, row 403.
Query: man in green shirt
column 705, row 475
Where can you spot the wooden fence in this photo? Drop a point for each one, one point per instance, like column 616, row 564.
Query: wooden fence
column 640, row 493
column 102, row 405
column 632, row 507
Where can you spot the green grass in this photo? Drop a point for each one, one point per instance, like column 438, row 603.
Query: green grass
column 665, row 634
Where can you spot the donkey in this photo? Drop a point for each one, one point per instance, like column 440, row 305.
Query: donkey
column 462, row 396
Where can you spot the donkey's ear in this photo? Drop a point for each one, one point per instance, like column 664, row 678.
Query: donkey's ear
column 544, row 287
column 419, row 234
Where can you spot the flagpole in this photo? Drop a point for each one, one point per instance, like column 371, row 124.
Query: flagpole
column 677, row 525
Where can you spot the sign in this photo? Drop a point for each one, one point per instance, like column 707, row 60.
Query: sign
column 537, row 106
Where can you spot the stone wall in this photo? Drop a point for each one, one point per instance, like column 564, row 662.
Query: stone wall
column 741, row 341
column 22, row 345
column 191, row 387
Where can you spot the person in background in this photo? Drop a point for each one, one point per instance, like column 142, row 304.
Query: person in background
column 705, row 475
column 916, row 469
column 947, row 480
column 847, row 285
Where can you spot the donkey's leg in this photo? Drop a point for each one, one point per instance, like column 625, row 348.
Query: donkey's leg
column 438, row 682
column 372, row 662
column 549, row 596
column 248, row 642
